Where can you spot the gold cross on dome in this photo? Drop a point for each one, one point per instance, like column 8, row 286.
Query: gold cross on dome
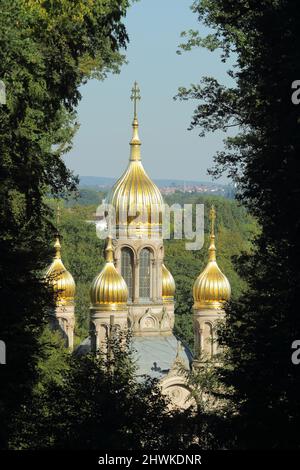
column 212, row 218
column 135, row 96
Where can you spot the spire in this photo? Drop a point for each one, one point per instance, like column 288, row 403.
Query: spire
column 109, row 257
column 211, row 288
column 212, row 246
column 109, row 290
column 135, row 143
column 57, row 216
column 57, row 244
column 58, row 276
column 57, row 247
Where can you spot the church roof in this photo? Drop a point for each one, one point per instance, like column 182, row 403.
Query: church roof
column 60, row 279
column 109, row 290
column 155, row 355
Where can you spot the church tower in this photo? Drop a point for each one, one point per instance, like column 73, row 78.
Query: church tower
column 108, row 311
column 135, row 289
column 138, row 243
column 211, row 290
column 62, row 318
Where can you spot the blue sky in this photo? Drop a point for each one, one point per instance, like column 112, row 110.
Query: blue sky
column 169, row 150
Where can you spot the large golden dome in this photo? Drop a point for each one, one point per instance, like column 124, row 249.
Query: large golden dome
column 109, row 290
column 211, row 288
column 137, row 201
column 168, row 285
column 60, row 279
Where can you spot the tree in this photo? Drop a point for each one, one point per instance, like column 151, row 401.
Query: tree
column 47, row 51
column 53, row 361
column 99, row 404
column 215, row 409
column 263, row 159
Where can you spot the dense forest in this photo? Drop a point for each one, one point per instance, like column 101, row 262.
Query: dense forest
column 82, row 251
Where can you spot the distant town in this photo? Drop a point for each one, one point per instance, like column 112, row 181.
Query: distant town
column 166, row 187
column 195, row 188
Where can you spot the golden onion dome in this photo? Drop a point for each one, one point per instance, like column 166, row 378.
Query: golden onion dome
column 137, row 201
column 211, row 288
column 109, row 290
column 168, row 285
column 60, row 279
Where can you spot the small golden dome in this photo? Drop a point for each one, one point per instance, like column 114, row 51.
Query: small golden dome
column 168, row 285
column 211, row 288
column 109, row 290
column 60, row 279
column 137, row 201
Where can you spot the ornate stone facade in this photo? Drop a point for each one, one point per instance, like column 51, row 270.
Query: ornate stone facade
column 135, row 290
column 103, row 325
column 150, row 315
column 205, row 333
column 108, row 311
column 63, row 320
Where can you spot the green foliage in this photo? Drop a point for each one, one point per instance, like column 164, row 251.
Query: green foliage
column 53, row 360
column 263, row 159
column 85, row 197
column 215, row 408
column 100, row 405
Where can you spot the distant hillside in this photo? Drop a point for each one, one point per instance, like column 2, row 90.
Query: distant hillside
column 95, row 181
column 103, row 181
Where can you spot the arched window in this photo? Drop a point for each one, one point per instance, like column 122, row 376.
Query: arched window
column 93, row 334
column 145, row 277
column 127, row 270
column 208, row 340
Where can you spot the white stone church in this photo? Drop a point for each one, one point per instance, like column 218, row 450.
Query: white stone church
column 135, row 290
